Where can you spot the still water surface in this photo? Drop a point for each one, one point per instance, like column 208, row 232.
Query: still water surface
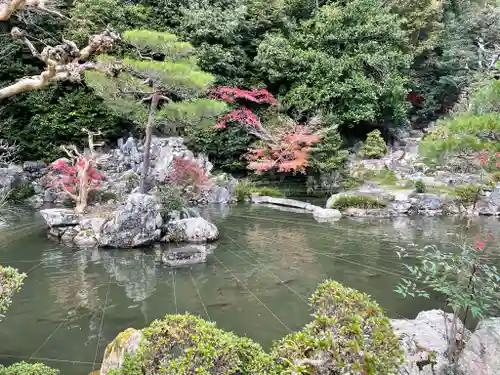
column 266, row 265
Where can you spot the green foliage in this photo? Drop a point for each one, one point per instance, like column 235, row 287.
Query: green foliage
column 225, row 148
column 463, row 276
column 386, row 177
column 170, row 198
column 349, row 335
column 374, row 147
column 328, row 155
column 420, row 187
column 19, row 194
column 266, row 191
column 10, row 281
column 45, row 119
column 344, row 202
column 185, row 344
column 467, row 194
column 486, row 99
column 23, row 368
column 494, row 179
column 243, row 190
column 331, row 63
column 90, row 17
column 465, row 134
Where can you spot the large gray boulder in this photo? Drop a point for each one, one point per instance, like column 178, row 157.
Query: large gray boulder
column 489, row 205
column 194, row 230
column 134, row 224
column 127, row 343
column 60, row 217
column 427, row 204
column 481, row 355
column 423, row 340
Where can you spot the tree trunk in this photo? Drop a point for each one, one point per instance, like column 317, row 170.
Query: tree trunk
column 147, row 143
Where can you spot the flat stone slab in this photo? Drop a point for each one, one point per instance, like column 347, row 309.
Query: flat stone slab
column 60, row 217
column 283, row 202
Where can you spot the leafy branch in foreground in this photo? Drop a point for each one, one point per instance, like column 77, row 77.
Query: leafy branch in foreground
column 471, row 286
column 10, row 282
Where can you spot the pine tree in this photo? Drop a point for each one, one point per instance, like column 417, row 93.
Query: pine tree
column 159, row 82
column 374, row 146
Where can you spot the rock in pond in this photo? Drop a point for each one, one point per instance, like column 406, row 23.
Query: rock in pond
column 195, row 229
column 125, row 344
column 481, row 355
column 326, row 214
column 423, row 340
column 60, row 217
column 134, row 224
column 186, row 255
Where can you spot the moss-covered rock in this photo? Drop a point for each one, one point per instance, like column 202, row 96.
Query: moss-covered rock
column 126, row 344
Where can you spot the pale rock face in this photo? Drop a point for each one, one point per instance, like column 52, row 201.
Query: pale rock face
column 60, row 217
column 126, row 343
column 194, row 230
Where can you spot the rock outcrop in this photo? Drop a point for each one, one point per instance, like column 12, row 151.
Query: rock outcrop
column 125, row 344
column 194, row 230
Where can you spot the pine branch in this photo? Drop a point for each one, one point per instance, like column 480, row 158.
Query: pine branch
column 64, row 62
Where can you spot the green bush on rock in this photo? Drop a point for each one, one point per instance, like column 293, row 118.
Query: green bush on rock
column 355, row 201
column 374, row 146
column 185, row 344
column 349, row 335
column 23, row 368
column 10, row 282
column 420, row 187
column 467, row 194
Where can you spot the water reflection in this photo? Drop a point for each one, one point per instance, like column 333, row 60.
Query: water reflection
column 257, row 282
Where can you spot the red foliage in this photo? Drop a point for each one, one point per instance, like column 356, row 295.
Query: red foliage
column 68, row 176
column 233, row 94
column 187, row 172
column 288, row 153
column 242, row 115
column 414, row 98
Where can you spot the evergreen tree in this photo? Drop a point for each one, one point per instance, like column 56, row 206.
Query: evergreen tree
column 159, row 83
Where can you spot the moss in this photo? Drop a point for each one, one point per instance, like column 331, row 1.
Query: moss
column 357, row 201
column 374, row 146
column 120, row 340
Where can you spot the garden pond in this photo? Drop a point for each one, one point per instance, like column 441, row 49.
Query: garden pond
column 257, row 282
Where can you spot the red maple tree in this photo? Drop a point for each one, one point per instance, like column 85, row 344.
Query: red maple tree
column 288, row 151
column 186, row 174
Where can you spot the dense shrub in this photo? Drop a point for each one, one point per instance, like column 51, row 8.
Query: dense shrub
column 357, row 201
column 467, row 194
column 185, row 345
column 243, row 190
column 420, row 186
column 374, row 147
column 10, row 282
column 494, row 179
column 170, row 198
column 23, row 368
column 349, row 335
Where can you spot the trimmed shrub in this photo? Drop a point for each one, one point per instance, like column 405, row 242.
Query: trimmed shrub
column 267, row 191
column 357, row 201
column 420, row 187
column 23, row 368
column 170, row 198
column 374, row 146
column 186, row 345
column 349, row 335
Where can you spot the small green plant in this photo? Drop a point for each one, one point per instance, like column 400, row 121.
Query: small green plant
column 469, row 283
column 10, row 282
column 386, row 177
column 267, row 191
column 350, row 334
column 20, row 193
column 243, row 190
column 494, row 179
column 420, row 187
column 374, row 146
column 132, row 180
column 170, row 199
column 357, row 201
column 467, row 194
column 23, row 368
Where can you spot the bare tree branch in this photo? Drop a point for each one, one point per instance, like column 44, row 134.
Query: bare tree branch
column 64, row 62
column 9, row 7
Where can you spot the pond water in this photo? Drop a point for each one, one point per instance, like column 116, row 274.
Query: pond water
column 266, row 265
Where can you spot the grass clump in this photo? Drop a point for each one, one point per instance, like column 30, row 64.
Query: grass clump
column 467, row 194
column 420, row 187
column 243, row 190
column 267, row 191
column 357, row 201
